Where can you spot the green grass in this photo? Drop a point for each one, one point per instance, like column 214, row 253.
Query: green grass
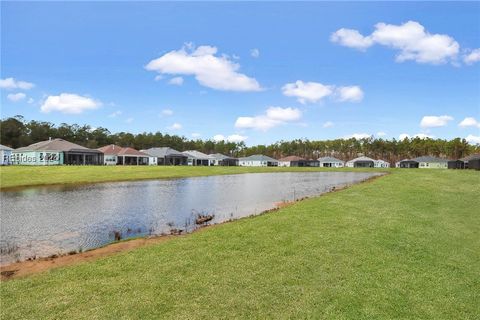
column 21, row 176
column 404, row 246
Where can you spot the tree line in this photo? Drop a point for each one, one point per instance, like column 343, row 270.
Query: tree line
column 17, row 132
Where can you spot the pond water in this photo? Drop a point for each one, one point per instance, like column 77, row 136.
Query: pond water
column 41, row 221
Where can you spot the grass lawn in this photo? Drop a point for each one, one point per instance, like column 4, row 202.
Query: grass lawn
column 406, row 245
column 20, row 176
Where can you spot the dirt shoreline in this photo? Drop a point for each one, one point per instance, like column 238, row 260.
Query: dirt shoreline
column 25, row 268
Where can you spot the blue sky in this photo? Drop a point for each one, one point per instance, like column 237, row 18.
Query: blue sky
column 261, row 72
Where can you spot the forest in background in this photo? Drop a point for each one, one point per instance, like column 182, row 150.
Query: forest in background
column 17, row 132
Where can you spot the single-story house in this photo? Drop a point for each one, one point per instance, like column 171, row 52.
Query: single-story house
column 407, row 163
column 5, row 155
column 428, row 162
column 56, row 152
column 474, row 164
column 312, row 163
column 167, row 156
column 218, row 159
column 472, row 161
column 257, row 160
column 197, row 158
column 361, row 162
column 292, row 161
column 331, row 162
column 381, row 164
column 456, row 164
column 116, row 155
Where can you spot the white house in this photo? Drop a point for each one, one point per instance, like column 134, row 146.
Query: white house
column 218, row 159
column 331, row 162
column 116, row 155
column 5, row 155
column 257, row 160
column 381, row 164
column 428, row 162
column 361, row 162
column 197, row 158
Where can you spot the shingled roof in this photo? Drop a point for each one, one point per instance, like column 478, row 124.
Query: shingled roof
column 2, row 147
column 115, row 150
column 196, row 154
column 429, row 159
column 163, row 152
column 55, row 145
column 329, row 159
column 292, row 158
column 258, row 157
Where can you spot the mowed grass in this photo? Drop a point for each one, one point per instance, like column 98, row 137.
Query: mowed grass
column 404, row 246
column 22, row 176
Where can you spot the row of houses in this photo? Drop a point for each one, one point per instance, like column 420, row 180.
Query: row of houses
column 427, row 162
column 62, row 152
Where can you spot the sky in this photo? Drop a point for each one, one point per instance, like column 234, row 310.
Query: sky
column 252, row 72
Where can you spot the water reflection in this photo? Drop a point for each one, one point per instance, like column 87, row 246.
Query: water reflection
column 50, row 220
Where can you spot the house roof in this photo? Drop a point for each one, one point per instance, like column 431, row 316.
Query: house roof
column 131, row 152
column 113, row 149
column 329, row 159
column 219, row 156
column 407, row 160
column 363, row 158
column 292, row 158
column 2, row 147
column 258, row 157
column 163, row 152
column 55, row 145
column 471, row 157
column 196, row 154
column 429, row 159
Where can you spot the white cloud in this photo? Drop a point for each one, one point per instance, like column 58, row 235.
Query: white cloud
column 472, row 57
column 381, row 134
column 196, row 135
column 469, row 122
column 351, row 38
column 473, row 139
column 11, row 83
column 231, row 138
column 358, row 136
column 435, row 121
column 175, row 126
column 30, row 100
column 115, row 114
column 273, row 117
column 216, row 72
column 236, row 138
column 411, row 39
column 16, row 96
column 129, row 120
column 69, row 103
column 283, row 114
column 219, row 137
column 351, row 93
column 158, row 77
column 404, row 136
column 307, row 91
column 311, row 92
column 177, row 81
column 328, row 124
column 255, row 53
column 167, row 112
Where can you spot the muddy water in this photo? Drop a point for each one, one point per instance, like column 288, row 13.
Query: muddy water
column 51, row 220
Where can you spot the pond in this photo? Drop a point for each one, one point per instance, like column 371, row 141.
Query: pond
column 42, row 221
